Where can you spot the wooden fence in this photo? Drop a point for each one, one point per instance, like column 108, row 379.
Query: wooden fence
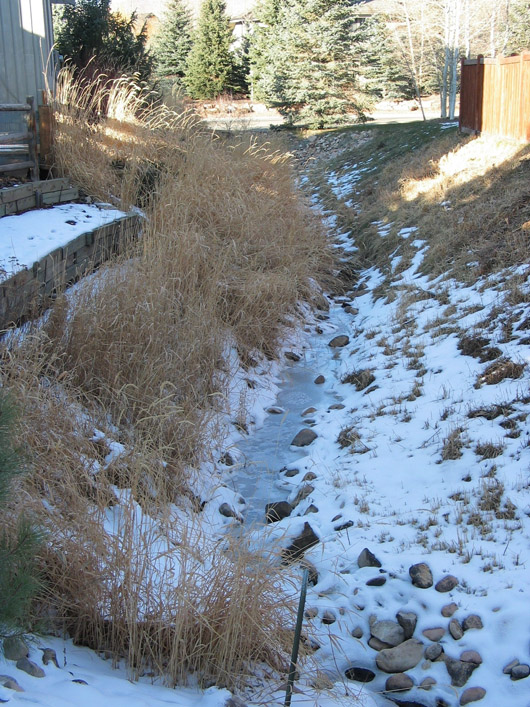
column 495, row 96
column 25, row 141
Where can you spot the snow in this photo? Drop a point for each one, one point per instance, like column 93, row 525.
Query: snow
column 395, row 488
column 28, row 237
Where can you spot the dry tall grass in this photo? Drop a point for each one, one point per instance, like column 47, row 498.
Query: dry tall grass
column 227, row 252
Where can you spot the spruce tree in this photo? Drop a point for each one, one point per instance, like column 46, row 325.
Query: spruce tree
column 305, row 61
column 210, row 63
column 173, row 42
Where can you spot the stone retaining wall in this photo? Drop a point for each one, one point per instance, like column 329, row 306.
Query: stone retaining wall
column 28, row 292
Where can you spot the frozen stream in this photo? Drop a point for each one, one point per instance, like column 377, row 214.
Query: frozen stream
column 268, row 449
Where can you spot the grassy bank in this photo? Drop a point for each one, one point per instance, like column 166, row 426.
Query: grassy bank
column 120, row 389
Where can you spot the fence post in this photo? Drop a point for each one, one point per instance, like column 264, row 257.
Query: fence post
column 32, row 139
column 296, row 641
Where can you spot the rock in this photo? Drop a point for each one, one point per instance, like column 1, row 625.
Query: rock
column 459, row 671
column 228, row 512
column 312, row 571
column 292, row 356
column 10, row 683
column 307, row 538
column 319, row 380
column 339, row 341
column 471, row 657
column 508, row 668
column 15, row 648
column 434, row 634
column 357, row 632
column 433, row 652
column 226, row 459
column 472, row 694
column 289, row 473
column 407, row 620
column 328, row 618
column 275, row 410
column 401, row 658
column 449, row 609
column 519, row 672
column 368, row 559
column 235, row 701
column 79, row 681
column 389, row 632
column 311, row 509
column 304, row 438
column 455, row 629
column 308, row 411
column 311, row 613
column 343, row 526
column 472, row 621
column 277, row 510
column 376, row 581
column 337, row 406
column 310, row 476
column 427, row 683
column 359, row 674
column 49, row 656
column 421, row 575
column 399, row 683
column 446, row 584
column 31, row 668
column 377, row 645
column 303, row 492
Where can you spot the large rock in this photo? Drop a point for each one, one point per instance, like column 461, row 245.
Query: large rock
column 472, row 694
column 455, row 629
column 31, row 668
column 388, row 632
column 399, row 683
column 401, row 658
column 10, row 683
column 446, row 584
column 434, row 634
column 15, row 648
column 459, row 671
column 519, row 672
column 421, row 575
column 303, row 492
column 339, row 341
column 304, row 438
column 277, row 510
column 368, row 559
column 407, row 620
column 307, row 538
column 472, row 621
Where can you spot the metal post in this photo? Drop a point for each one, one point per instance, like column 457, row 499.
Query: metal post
column 296, row 642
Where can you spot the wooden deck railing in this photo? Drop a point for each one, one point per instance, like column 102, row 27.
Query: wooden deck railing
column 26, row 140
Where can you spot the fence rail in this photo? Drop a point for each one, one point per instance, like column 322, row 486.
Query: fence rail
column 26, row 141
column 495, row 96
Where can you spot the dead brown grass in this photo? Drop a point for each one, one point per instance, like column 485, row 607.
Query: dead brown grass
column 137, row 352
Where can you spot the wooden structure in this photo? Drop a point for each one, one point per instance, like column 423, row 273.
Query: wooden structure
column 495, row 96
column 14, row 200
column 27, row 293
column 12, row 144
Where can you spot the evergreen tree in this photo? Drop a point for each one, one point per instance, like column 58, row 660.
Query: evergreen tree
column 304, row 61
column 519, row 27
column 89, row 33
column 173, row 42
column 210, row 64
column 18, row 545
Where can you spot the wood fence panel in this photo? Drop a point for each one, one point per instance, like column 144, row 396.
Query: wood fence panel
column 495, row 96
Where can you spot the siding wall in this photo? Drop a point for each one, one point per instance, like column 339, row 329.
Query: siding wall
column 26, row 38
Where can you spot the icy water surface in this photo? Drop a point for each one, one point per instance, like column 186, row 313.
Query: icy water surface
column 267, row 450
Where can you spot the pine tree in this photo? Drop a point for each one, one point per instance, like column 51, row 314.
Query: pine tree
column 18, row 542
column 173, row 42
column 519, row 27
column 304, row 62
column 88, row 33
column 210, row 63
